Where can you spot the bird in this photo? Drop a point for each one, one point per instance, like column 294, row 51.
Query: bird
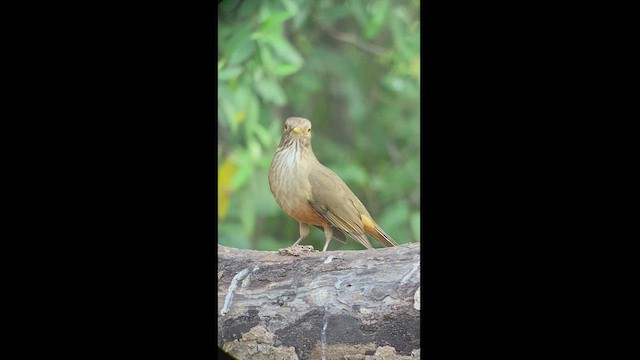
column 313, row 194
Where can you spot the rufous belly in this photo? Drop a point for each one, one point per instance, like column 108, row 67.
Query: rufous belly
column 305, row 214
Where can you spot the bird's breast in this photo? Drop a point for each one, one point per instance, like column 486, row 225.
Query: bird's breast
column 289, row 180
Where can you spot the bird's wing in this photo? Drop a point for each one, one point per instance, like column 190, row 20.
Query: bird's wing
column 332, row 199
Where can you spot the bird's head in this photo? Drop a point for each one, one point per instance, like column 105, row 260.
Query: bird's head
column 297, row 133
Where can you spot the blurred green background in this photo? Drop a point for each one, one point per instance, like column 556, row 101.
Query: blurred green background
column 353, row 69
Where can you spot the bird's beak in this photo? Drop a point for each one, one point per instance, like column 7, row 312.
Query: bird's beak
column 297, row 130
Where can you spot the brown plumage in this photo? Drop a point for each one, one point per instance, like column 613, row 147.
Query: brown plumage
column 314, row 195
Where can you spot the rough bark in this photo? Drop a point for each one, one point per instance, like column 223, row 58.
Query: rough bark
column 301, row 304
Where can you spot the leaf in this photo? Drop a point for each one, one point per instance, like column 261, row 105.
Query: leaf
column 263, row 135
column 399, row 27
column 286, row 69
column 252, row 106
column 377, row 15
column 240, row 116
column 274, row 21
column 242, row 97
column 278, row 55
column 226, row 172
column 242, row 52
column 229, row 73
column 271, row 91
column 284, row 50
column 414, row 67
column 267, row 59
column 226, row 103
column 300, row 9
column 240, row 34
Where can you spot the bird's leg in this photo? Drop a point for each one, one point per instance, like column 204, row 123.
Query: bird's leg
column 304, row 232
column 328, row 234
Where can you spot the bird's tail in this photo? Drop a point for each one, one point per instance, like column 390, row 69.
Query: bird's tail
column 383, row 238
column 377, row 233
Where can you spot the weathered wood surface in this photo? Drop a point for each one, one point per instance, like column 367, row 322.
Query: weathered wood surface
column 361, row 304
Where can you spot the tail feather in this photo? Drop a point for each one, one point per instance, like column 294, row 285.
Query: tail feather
column 384, row 238
column 377, row 233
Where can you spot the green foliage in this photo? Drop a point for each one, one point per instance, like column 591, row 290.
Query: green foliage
column 353, row 68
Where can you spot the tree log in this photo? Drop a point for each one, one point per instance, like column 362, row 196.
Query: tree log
column 305, row 304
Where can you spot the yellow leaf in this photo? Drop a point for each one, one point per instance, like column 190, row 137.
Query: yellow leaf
column 414, row 67
column 240, row 116
column 225, row 174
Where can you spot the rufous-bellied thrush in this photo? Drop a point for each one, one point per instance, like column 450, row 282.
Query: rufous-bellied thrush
column 314, row 195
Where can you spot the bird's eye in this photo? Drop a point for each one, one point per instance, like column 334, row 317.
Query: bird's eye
column 286, row 127
column 309, row 130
